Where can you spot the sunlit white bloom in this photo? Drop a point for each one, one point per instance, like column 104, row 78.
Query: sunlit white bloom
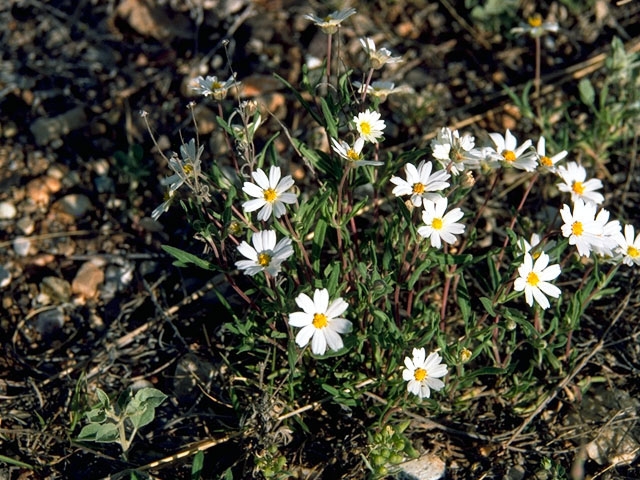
column 369, row 125
column 535, row 27
column 420, row 183
column 438, row 226
column 546, row 162
column 628, row 246
column 580, row 226
column 450, row 148
column 164, row 206
column 423, row 374
column 269, row 193
column 382, row 90
column 379, row 57
column 534, row 280
column 352, row 154
column 608, row 237
column 331, row 22
column 484, row 158
column 521, row 157
column 266, row 255
column 574, row 176
column 320, row 321
column 211, row 86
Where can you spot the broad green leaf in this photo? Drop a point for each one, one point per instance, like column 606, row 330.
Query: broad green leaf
column 88, row 432
column 150, row 396
column 107, row 433
column 587, row 93
column 103, row 398
column 488, row 305
column 197, row 465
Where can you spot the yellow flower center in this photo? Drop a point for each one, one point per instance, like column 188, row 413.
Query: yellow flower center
column 535, row 20
column 633, row 252
column 352, row 154
column 216, row 85
column 532, row 279
column 546, row 161
column 578, row 188
column 418, row 188
column 509, row 156
column 187, row 169
column 320, row 320
column 437, row 223
column 420, row 374
column 536, row 255
column 576, row 228
column 167, row 196
column 328, row 19
column 264, row 259
column 365, row 128
column 270, row 195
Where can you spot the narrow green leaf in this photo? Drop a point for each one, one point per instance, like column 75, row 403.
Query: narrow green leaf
column 587, row 93
column 197, row 465
column 319, row 233
column 417, row 272
column 330, row 121
column 184, row 258
column 17, row 463
column 488, row 305
column 331, row 390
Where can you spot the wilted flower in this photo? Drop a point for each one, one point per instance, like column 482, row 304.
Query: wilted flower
column 423, row 374
column 269, row 193
column 450, row 148
column 331, row 22
column 535, row 26
column 164, row 206
column 574, row 176
column 188, row 171
column 380, row 57
column 265, row 255
column 211, row 86
column 382, row 90
column 352, row 154
column 534, row 280
column 420, row 183
column 369, row 125
column 320, row 321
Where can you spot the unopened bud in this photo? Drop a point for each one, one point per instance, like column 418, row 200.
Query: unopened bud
column 468, row 181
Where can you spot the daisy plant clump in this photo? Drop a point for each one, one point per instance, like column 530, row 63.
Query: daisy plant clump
column 465, row 250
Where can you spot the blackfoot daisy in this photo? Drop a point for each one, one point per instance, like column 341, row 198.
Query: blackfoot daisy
column 331, row 22
column 628, row 246
column 269, row 192
column 574, row 177
column 423, row 374
column 549, row 163
column 266, row 255
column 534, row 280
column 352, row 154
column 580, row 226
column 420, row 183
column 508, row 152
column 440, row 227
column 369, row 125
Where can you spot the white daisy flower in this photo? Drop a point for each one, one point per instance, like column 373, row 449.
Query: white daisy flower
column 423, row 374
column 369, row 125
column 534, row 280
column 211, row 86
column 580, row 226
column 450, row 148
column 608, row 237
column 440, row 227
column 331, row 22
column 382, row 90
column 352, row 154
column 628, row 246
column 269, row 192
column 266, row 255
column 535, row 27
column 164, row 206
column 546, row 162
column 574, row 176
column 320, row 321
column 521, row 157
column 379, row 57
column 420, row 184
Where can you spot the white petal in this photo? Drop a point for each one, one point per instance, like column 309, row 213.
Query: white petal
column 274, row 176
column 333, row 339
column 261, row 179
column 253, row 190
column 319, row 342
column 321, row 300
column 306, row 304
column 300, row 319
column 248, row 251
column 303, row 336
column 253, row 205
column 341, row 325
column 337, row 308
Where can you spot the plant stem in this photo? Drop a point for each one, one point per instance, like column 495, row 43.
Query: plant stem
column 537, row 80
column 329, row 59
column 366, row 85
column 228, row 140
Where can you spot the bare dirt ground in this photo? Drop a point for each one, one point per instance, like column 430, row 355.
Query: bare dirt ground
column 90, row 299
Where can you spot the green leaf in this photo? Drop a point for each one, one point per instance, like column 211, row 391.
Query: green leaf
column 96, row 415
column 17, row 463
column 184, row 258
column 143, row 417
column 486, row 371
column 587, row 93
column 464, row 301
column 319, row 233
column 89, row 432
column 331, row 390
column 488, row 305
column 103, row 398
column 196, row 466
column 107, row 433
column 332, row 126
column 417, row 272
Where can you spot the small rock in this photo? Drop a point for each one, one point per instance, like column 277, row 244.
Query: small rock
column 38, row 191
column 26, row 225
column 21, row 245
column 74, row 204
column 10, row 130
column 427, row 467
column 87, row 279
column 517, row 472
column 104, row 184
column 7, row 210
column 52, row 183
column 5, row 277
column 57, row 289
column 46, row 130
column 191, row 370
column 49, row 322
